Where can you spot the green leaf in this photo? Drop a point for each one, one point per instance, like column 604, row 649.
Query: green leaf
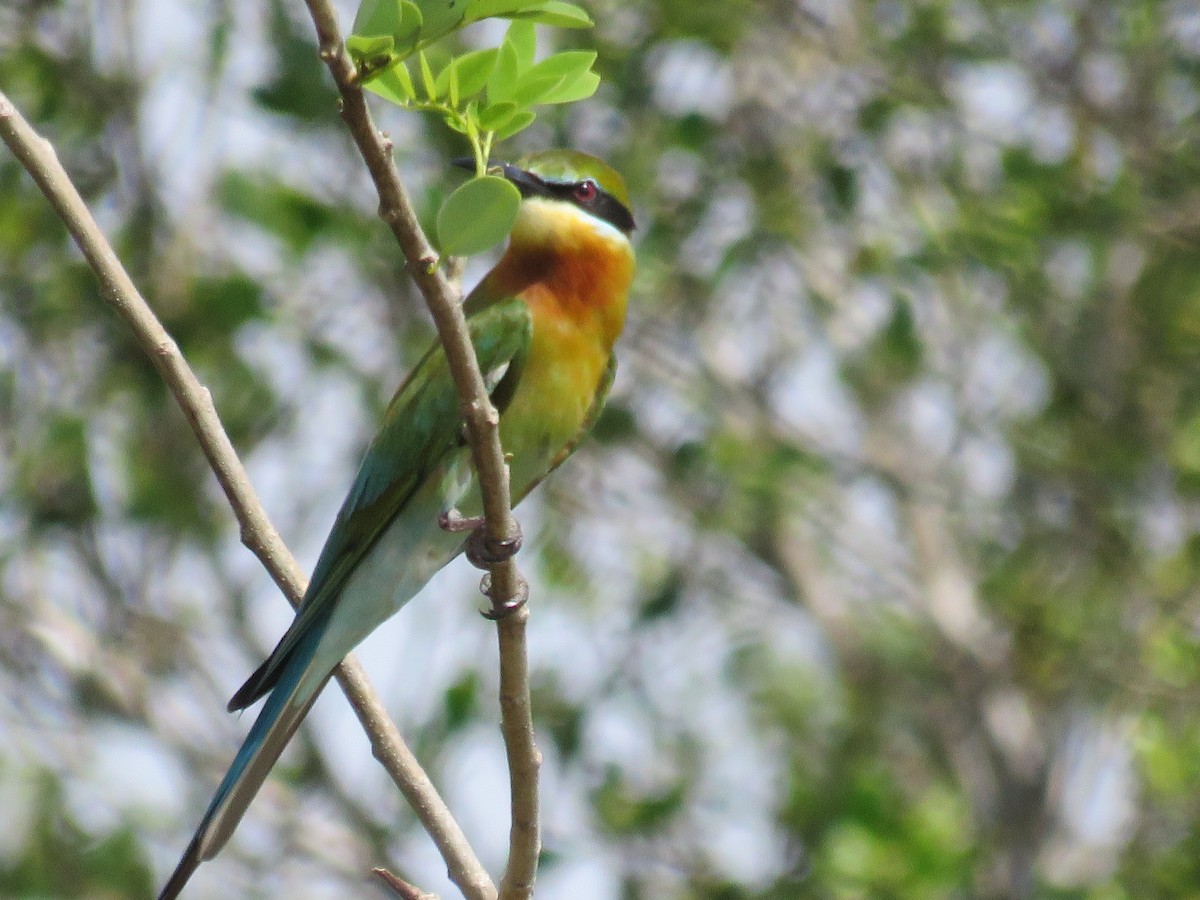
column 531, row 90
column 474, row 69
column 519, row 122
column 471, row 70
column 571, row 91
column 365, row 48
column 496, row 116
column 522, row 37
column 486, row 9
column 440, row 17
column 400, row 20
column 427, row 79
column 477, row 216
column 378, row 18
column 568, row 64
column 453, row 87
column 411, row 28
column 554, row 77
column 503, row 80
column 545, row 12
column 395, row 84
column 400, row 70
column 559, row 14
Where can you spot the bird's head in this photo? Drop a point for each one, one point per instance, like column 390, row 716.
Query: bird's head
column 571, row 237
column 564, row 190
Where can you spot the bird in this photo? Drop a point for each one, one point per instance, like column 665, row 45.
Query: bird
column 543, row 321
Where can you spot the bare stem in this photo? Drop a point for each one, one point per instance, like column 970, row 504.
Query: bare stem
column 483, row 435
column 257, row 532
column 400, row 887
column 524, row 758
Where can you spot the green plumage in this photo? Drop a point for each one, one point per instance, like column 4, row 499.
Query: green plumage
column 420, row 432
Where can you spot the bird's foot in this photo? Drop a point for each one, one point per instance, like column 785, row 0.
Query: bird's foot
column 453, row 521
column 503, row 608
column 481, row 550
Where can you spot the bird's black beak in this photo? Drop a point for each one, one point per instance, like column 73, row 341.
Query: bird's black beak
column 526, row 182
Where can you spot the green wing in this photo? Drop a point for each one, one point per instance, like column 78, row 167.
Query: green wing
column 421, row 430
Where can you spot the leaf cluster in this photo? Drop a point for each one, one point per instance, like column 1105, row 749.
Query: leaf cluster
column 486, row 95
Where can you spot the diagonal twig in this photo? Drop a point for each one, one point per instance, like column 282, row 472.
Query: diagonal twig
column 400, row 887
column 257, row 532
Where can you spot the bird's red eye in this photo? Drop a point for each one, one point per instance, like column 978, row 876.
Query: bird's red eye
column 585, row 191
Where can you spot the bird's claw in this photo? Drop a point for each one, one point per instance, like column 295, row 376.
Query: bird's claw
column 453, row 521
column 483, row 552
column 503, row 608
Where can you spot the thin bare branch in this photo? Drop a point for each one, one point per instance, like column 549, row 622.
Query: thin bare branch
column 524, row 758
column 504, row 580
column 402, row 888
column 257, row 532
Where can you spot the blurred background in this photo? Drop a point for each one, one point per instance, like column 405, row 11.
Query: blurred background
column 879, row 578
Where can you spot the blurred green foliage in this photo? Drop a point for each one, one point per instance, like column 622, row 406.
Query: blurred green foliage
column 881, row 577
